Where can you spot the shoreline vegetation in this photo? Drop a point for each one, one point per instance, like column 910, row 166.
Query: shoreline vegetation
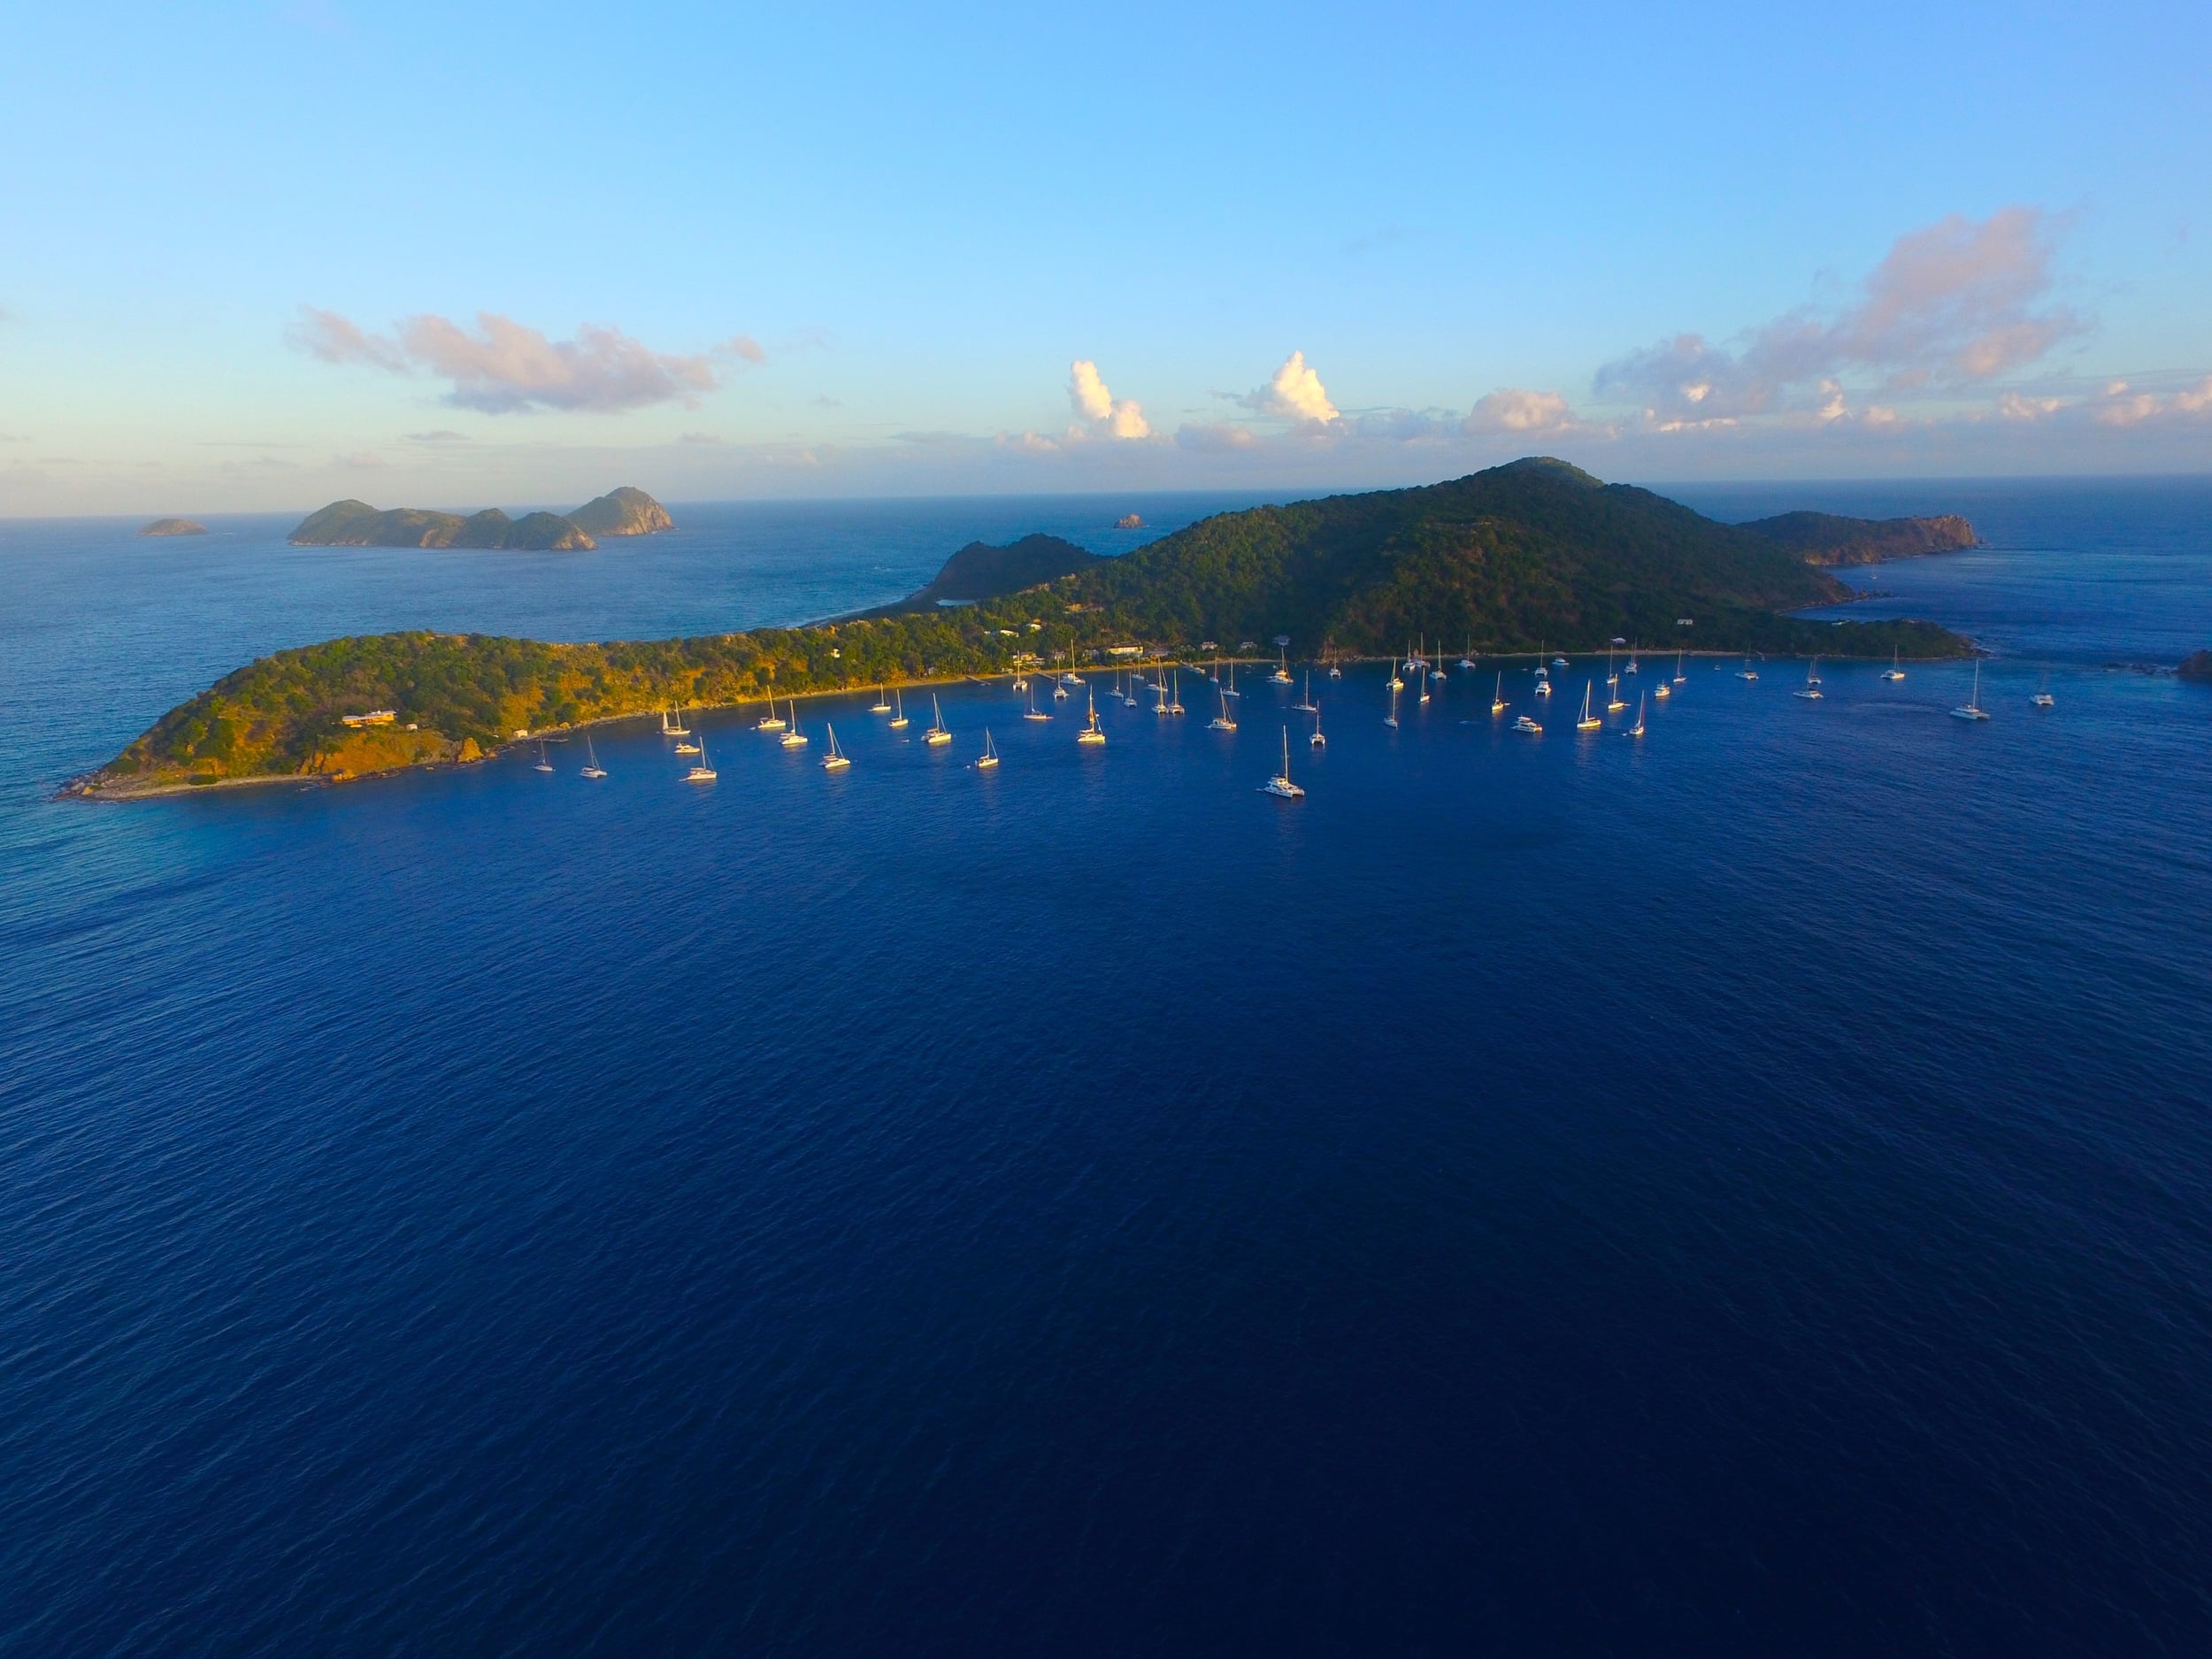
column 1535, row 556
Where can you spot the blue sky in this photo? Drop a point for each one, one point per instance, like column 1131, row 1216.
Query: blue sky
column 261, row 256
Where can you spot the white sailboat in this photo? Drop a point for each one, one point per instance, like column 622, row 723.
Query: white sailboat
column 1662, row 691
column 1305, row 703
column 1497, row 695
column 1468, row 660
column 1679, row 677
column 834, row 761
column 1747, row 672
column 1589, row 722
column 2043, row 698
column 1335, row 672
column 882, row 704
column 1810, row 689
column 1175, row 694
column 1893, row 672
column 1637, row 730
column 794, row 738
column 1391, row 718
column 1159, row 696
column 1281, row 676
column 1615, row 703
column 936, row 737
column 1222, row 722
column 675, row 727
column 544, row 764
column 1090, row 736
column 1229, row 688
column 989, row 757
column 1316, row 741
column 1034, row 712
column 898, row 714
column 592, row 768
column 1280, row 785
column 1632, row 661
column 1973, row 709
column 701, row 769
column 770, row 721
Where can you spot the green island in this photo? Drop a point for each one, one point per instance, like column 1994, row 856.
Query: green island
column 173, row 526
column 619, row 512
column 1535, row 554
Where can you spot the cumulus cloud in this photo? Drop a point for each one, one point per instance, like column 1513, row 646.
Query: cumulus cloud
column 505, row 367
column 1296, row 393
column 1097, row 411
column 1511, row 410
column 1215, row 436
column 1952, row 305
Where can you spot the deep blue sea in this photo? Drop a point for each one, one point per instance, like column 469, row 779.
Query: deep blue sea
column 1743, row 1191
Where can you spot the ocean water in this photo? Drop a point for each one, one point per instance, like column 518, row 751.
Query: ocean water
column 1744, row 1190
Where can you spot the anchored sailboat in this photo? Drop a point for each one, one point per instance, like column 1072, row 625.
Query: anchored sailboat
column 544, row 764
column 1280, row 785
column 1589, row 722
column 937, row 736
column 1637, row 730
column 989, row 757
column 1893, row 672
column 1973, row 711
column 1222, row 722
column 882, row 704
column 1810, row 689
column 898, row 716
column 794, row 738
column 1036, row 713
column 1497, row 695
column 701, row 769
column 1090, row 736
column 1316, row 740
column 834, row 761
column 592, row 768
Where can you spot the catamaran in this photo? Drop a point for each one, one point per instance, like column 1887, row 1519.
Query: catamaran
column 701, row 772
column 1810, row 689
column 1280, row 785
column 544, row 764
column 1175, row 696
column 1589, row 722
column 1335, row 672
column 1316, row 740
column 1973, row 711
column 794, row 738
column 592, row 768
column 1222, row 722
column 936, row 736
column 1747, row 672
column 989, row 757
column 834, row 761
column 2043, row 698
column 898, row 716
column 672, row 723
column 1229, row 687
column 1090, row 736
column 882, row 704
column 1893, row 672
column 1468, row 660
column 1497, row 696
column 771, row 721
column 1632, row 661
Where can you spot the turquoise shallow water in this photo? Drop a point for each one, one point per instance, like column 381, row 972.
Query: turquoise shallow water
column 1741, row 1191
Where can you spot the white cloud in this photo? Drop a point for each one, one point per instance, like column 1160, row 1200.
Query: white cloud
column 506, row 367
column 1510, row 409
column 2017, row 406
column 1097, row 410
column 1295, row 392
column 1956, row 303
column 1215, row 436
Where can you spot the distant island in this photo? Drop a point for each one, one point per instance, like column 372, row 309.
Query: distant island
column 979, row 572
column 1537, row 552
column 2196, row 666
column 1825, row 539
column 1129, row 521
column 173, row 526
column 619, row 512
